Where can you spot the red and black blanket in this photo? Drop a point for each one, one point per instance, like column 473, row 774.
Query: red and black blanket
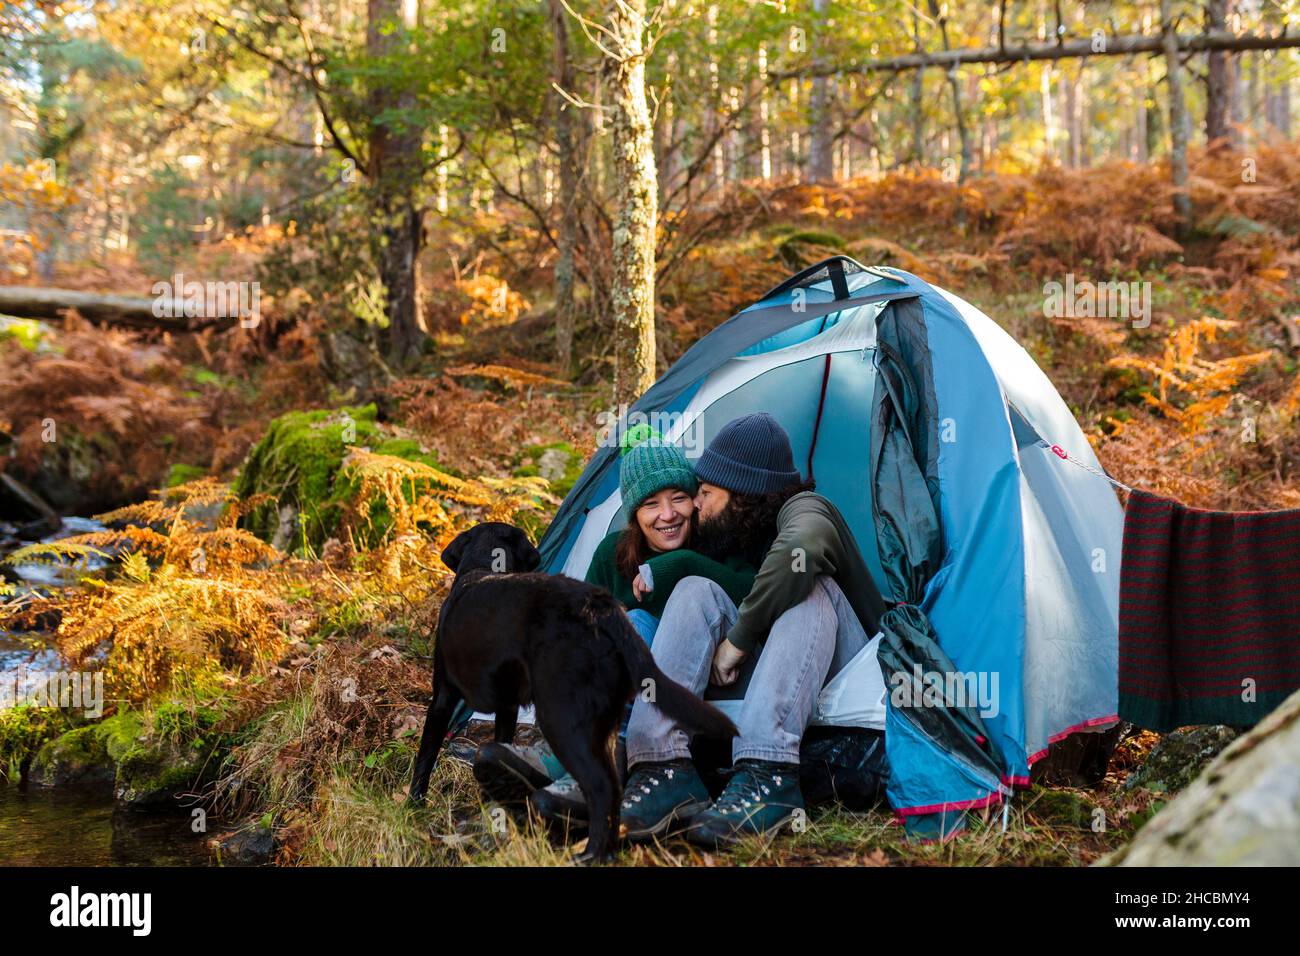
column 1209, row 619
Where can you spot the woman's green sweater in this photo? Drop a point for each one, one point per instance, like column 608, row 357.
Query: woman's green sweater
column 735, row 575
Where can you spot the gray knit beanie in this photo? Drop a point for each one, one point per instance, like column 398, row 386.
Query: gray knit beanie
column 751, row 455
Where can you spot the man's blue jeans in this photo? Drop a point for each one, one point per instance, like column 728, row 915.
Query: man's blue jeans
column 807, row 645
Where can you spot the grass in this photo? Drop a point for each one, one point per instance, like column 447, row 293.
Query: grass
column 359, row 816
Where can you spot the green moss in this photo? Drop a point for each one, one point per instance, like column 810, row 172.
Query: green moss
column 26, row 332
column 120, row 732
column 800, row 249
column 1179, row 758
column 204, row 376
column 87, row 754
column 82, row 745
column 181, row 751
column 23, row 731
column 815, row 237
column 1061, row 808
column 410, row 450
column 181, row 473
column 296, row 463
column 531, row 462
column 187, row 720
column 150, row 775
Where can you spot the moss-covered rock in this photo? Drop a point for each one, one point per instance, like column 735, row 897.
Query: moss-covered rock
column 86, row 756
column 252, row 845
column 145, row 763
column 1243, row 810
column 559, row 463
column 1179, row 758
column 298, row 463
column 801, row 248
column 152, row 775
column 76, row 759
column 1061, row 808
column 24, row 730
column 28, row 333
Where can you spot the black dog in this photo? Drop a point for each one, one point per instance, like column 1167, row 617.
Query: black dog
column 509, row 639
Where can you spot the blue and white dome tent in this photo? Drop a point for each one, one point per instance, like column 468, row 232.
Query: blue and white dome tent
column 932, row 430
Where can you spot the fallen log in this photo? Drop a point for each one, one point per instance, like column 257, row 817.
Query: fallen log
column 137, row 312
column 17, row 499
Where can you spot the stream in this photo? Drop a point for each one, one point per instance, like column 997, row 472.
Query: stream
column 52, row 827
column 66, row 826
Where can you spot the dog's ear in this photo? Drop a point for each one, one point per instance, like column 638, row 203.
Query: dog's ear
column 452, row 554
column 523, row 556
column 529, row 557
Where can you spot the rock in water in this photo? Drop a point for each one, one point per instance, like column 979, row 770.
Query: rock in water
column 1244, row 810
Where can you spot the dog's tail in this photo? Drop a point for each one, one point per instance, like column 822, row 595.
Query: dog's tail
column 693, row 713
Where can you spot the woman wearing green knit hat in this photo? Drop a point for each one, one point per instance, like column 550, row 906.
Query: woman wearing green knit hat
column 640, row 565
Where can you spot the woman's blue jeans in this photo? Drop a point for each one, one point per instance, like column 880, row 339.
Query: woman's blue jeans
column 646, row 624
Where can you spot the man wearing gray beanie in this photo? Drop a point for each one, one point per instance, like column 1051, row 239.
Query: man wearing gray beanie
column 812, row 608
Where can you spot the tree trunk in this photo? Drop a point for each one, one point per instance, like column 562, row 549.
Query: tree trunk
column 136, row 312
column 566, row 143
column 715, row 107
column 1218, row 79
column 1177, row 122
column 1049, row 117
column 821, row 168
column 635, row 188
column 962, row 134
column 764, row 119
column 394, row 174
column 918, row 97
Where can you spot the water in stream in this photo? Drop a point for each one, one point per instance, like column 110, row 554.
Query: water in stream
column 67, row 827
column 71, row 828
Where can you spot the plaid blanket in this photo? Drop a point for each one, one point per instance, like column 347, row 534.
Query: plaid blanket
column 1209, row 620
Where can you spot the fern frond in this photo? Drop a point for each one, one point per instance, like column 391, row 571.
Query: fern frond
column 59, row 552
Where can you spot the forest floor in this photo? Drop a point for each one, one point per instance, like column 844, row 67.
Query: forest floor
column 301, row 673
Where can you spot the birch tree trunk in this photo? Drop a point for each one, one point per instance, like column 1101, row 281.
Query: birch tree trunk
column 635, row 189
column 566, row 144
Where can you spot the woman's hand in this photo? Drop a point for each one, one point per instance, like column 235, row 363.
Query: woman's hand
column 640, row 588
column 726, row 663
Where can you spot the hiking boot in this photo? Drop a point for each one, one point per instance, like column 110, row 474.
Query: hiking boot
column 659, row 795
column 508, row 774
column 760, row 798
column 561, row 801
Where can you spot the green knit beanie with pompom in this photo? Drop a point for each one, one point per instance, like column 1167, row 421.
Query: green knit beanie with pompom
column 649, row 464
